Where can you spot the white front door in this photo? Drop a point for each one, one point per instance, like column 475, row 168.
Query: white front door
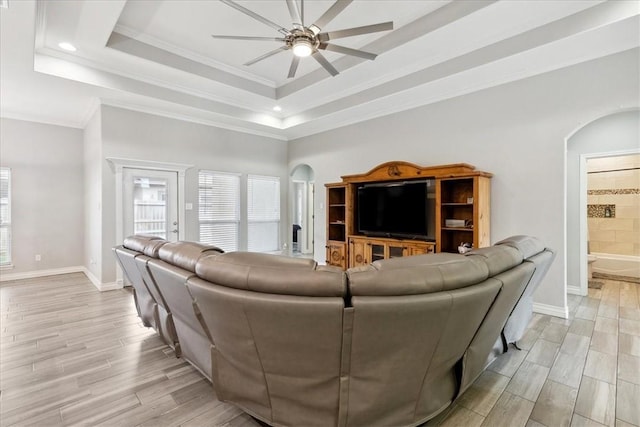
column 150, row 203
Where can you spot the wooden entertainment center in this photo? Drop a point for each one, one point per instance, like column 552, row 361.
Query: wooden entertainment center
column 461, row 193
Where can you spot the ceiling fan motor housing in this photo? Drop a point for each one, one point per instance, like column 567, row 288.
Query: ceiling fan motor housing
column 303, row 42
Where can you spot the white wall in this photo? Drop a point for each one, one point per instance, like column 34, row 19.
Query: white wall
column 612, row 133
column 47, row 191
column 516, row 131
column 133, row 135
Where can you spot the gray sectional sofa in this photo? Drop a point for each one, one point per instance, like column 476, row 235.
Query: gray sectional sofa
column 294, row 343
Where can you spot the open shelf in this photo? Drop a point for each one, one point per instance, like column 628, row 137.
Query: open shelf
column 337, row 225
column 464, row 199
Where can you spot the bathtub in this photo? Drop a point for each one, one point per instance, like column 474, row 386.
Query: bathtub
column 618, row 265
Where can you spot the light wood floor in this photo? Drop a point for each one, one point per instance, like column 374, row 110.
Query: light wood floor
column 71, row 355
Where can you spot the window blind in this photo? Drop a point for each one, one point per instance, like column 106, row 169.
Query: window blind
column 263, row 213
column 219, row 209
column 5, row 216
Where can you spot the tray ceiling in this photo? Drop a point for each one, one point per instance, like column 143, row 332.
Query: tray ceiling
column 159, row 56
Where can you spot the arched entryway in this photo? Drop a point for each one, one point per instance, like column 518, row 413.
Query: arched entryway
column 615, row 134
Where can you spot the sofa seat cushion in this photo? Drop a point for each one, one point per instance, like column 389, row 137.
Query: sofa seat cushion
column 421, row 274
column 497, row 258
column 272, row 274
column 185, row 255
column 148, row 245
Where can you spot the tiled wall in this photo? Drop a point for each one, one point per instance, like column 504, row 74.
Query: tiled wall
column 614, row 189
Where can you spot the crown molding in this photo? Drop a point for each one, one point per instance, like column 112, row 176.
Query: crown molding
column 28, row 117
column 190, row 118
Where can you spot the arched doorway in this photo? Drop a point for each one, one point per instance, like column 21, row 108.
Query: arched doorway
column 301, row 208
column 616, row 134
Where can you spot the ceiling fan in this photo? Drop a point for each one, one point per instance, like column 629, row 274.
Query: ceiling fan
column 306, row 41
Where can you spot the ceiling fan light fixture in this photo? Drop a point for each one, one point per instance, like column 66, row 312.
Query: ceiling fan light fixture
column 302, row 48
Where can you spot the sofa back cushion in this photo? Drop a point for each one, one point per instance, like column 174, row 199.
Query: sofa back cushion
column 185, row 255
column 527, row 245
column 405, row 348
column 272, row 274
column 148, row 245
column 421, row 274
column 276, row 356
column 497, row 258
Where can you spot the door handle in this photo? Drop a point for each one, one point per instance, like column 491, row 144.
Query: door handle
column 174, row 231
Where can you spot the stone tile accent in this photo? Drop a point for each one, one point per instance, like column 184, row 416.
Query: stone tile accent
column 613, row 191
column 599, row 211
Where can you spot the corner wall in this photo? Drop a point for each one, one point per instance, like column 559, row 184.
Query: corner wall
column 515, row 131
column 93, row 198
column 47, row 206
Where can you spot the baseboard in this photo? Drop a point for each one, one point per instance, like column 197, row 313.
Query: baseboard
column 574, row 290
column 41, row 273
column 109, row 286
column 551, row 310
column 65, row 270
column 102, row 286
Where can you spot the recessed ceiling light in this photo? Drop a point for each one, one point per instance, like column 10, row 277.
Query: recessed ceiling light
column 277, row 108
column 67, row 46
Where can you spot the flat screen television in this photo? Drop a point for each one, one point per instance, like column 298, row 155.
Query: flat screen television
column 402, row 209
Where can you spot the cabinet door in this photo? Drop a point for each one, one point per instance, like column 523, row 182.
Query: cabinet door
column 420, row 249
column 358, row 253
column 396, row 250
column 377, row 250
column 336, row 255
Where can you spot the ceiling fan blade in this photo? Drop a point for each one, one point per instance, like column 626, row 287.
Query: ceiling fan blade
column 255, row 16
column 347, row 51
column 294, row 67
column 328, row 16
column 356, row 31
column 266, row 55
column 296, row 18
column 326, row 64
column 271, row 39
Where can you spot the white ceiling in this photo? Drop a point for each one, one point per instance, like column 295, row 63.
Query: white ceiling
column 159, row 57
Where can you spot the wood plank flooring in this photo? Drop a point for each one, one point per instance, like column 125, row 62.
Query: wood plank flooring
column 581, row 371
column 70, row 355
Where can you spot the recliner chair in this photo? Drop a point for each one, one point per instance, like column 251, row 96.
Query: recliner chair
column 170, row 273
column 139, row 246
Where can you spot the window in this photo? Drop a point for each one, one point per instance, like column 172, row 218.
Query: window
column 263, row 213
column 150, row 206
column 219, row 212
column 5, row 216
